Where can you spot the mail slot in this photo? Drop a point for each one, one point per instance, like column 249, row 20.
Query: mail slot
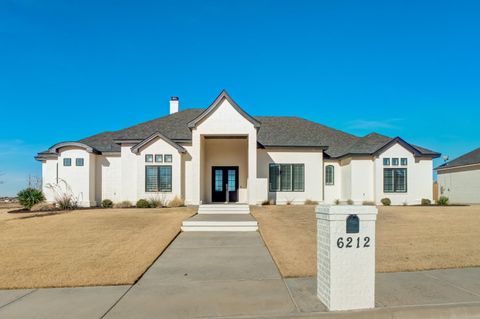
column 353, row 224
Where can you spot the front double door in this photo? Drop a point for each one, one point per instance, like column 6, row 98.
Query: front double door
column 225, row 184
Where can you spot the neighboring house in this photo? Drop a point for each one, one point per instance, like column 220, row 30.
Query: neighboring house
column 459, row 179
column 199, row 154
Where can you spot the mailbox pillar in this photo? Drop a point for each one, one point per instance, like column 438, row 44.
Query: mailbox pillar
column 346, row 256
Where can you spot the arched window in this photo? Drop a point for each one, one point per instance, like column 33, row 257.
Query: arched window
column 329, row 175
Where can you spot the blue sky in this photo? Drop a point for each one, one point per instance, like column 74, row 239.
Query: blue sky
column 70, row 69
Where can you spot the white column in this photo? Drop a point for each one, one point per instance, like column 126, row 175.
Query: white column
column 346, row 257
column 196, row 167
column 252, row 167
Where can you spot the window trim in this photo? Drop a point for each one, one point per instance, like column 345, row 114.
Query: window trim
column 158, row 156
column 147, row 156
column 165, row 156
column 394, row 191
column 395, row 159
column 402, row 160
column 158, row 179
column 65, row 162
column 386, row 161
column 332, row 182
column 292, row 188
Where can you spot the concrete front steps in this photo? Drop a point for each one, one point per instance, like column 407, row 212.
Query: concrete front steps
column 222, row 217
column 218, row 222
column 224, row 209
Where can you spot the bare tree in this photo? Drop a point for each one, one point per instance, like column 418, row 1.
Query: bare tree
column 34, row 181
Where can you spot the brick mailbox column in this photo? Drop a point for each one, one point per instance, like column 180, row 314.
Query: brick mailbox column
column 346, row 256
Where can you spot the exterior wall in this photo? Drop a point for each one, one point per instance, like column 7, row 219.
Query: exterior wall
column 159, row 146
column 226, row 152
column 333, row 192
column 461, row 185
column 78, row 181
column 346, row 178
column 362, row 180
column 419, row 177
column 313, row 161
column 109, row 178
column 225, row 120
column 128, row 168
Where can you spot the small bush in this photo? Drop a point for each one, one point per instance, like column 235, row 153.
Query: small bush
column 143, row 203
column 443, row 201
column 43, row 207
column 266, row 202
column 176, row 202
column 66, row 202
column 288, row 202
column 29, row 197
column 156, row 203
column 337, row 202
column 107, row 203
column 350, row 202
column 124, row 204
column 426, row 202
column 386, row 202
column 368, row 203
column 310, row 202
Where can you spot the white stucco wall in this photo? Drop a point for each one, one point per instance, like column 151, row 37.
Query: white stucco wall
column 159, row 146
column 224, row 120
column 346, row 179
column 109, row 178
column 77, row 181
column 461, row 185
column 333, row 192
column 313, row 161
column 362, row 179
column 419, row 177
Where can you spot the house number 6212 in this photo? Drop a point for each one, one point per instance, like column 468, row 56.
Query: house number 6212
column 350, row 242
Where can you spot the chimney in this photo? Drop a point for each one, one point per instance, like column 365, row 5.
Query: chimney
column 174, row 104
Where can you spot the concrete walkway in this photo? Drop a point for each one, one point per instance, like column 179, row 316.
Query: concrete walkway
column 227, row 274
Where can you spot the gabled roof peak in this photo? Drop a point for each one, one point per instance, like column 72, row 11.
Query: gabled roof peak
column 223, row 96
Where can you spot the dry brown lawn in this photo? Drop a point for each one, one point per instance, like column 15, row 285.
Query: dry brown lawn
column 408, row 238
column 84, row 247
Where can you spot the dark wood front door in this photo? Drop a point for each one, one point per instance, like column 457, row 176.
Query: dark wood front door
column 224, row 180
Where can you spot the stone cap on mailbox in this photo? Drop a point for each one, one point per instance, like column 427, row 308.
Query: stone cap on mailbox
column 341, row 212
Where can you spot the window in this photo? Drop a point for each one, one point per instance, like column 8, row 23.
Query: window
column 395, row 180
column 329, row 175
column 158, row 158
column 404, row 161
column 67, row 162
column 287, row 177
column 149, row 158
column 167, row 158
column 395, row 161
column 386, row 162
column 79, row 162
column 158, row 178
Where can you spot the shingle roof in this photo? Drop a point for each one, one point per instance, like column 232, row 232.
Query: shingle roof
column 284, row 131
column 468, row 159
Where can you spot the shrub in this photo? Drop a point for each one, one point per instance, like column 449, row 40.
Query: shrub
column 368, row 203
column 310, row 202
column 156, row 203
column 442, row 201
column 176, row 202
column 266, row 202
column 426, row 202
column 107, row 203
column 66, row 201
column 29, row 197
column 143, row 203
column 386, row 201
column 43, row 207
column 350, row 202
column 337, row 202
column 124, row 204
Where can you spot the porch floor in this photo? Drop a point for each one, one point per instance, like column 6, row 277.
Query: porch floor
column 219, row 221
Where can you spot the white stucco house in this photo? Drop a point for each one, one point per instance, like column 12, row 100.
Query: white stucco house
column 222, row 153
column 459, row 179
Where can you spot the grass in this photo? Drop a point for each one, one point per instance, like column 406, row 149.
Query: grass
column 408, row 238
column 85, row 247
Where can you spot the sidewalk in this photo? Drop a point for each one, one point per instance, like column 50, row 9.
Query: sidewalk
column 225, row 274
